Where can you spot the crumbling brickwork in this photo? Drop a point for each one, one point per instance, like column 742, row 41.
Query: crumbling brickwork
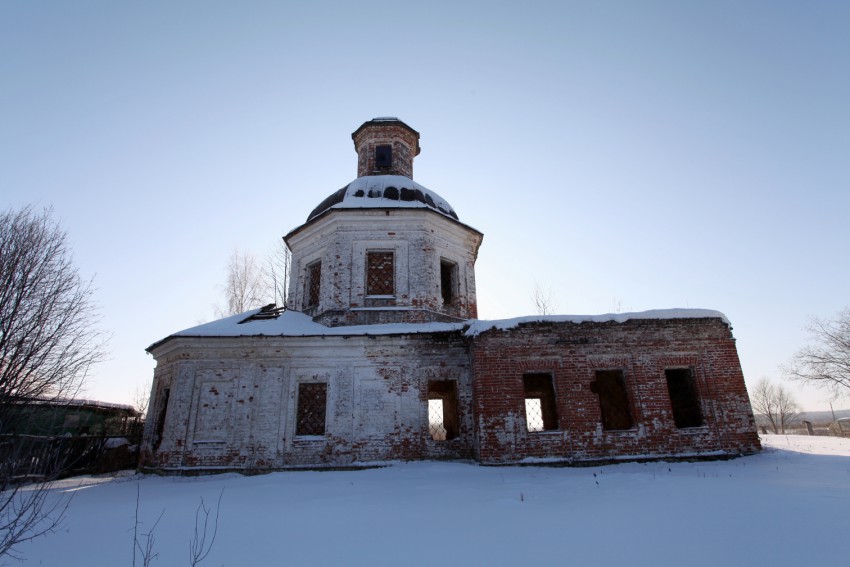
column 277, row 390
column 233, row 403
column 576, row 356
column 401, row 139
column 419, row 241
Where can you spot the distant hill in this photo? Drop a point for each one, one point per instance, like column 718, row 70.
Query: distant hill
column 823, row 417
column 818, row 418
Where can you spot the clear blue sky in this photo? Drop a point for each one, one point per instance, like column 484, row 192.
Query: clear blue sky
column 625, row 155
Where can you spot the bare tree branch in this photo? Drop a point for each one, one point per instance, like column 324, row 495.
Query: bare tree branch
column 276, row 273
column 146, row 551
column 142, row 398
column 826, row 362
column 198, row 546
column 48, row 342
column 252, row 283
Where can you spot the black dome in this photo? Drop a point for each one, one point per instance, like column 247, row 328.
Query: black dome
column 384, row 192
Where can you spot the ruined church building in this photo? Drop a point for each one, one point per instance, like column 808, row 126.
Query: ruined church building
column 380, row 356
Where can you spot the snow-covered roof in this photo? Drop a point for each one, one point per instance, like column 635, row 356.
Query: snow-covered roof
column 479, row 326
column 384, row 192
column 296, row 324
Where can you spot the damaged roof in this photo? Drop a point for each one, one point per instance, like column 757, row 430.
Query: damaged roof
column 384, row 192
column 273, row 321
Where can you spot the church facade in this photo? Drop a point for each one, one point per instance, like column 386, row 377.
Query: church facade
column 380, row 356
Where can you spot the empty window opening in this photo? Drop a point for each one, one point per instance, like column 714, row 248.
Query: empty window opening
column 383, row 157
column 448, row 281
column 442, row 410
column 314, row 283
column 160, row 420
column 683, row 397
column 610, row 386
column 380, row 273
column 541, row 413
column 312, row 403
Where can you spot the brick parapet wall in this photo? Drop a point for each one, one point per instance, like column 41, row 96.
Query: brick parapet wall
column 643, row 349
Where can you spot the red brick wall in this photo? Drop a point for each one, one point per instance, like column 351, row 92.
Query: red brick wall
column 642, row 349
column 404, row 143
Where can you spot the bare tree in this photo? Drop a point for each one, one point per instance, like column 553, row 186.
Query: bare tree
column 776, row 403
column 252, row 283
column 48, row 342
column 142, row 398
column 48, row 338
column 277, row 271
column 543, row 302
column 826, row 362
column 246, row 287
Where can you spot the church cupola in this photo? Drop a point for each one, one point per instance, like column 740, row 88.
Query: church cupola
column 385, row 146
column 384, row 249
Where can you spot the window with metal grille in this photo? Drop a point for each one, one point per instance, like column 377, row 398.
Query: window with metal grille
column 442, row 409
column 683, row 397
column 312, row 403
column 436, row 423
column 380, row 273
column 610, row 386
column 383, row 157
column 314, row 283
column 448, row 277
column 541, row 412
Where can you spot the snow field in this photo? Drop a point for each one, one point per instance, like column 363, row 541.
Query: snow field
column 789, row 505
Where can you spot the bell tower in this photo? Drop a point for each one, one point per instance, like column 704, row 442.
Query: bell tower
column 385, row 146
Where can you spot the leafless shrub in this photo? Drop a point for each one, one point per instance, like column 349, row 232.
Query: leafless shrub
column 543, row 302
column 146, row 553
column 199, row 548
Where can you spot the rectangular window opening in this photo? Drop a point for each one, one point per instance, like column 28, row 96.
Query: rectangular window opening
column 380, row 273
column 541, row 412
column 383, row 157
column 160, row 420
column 683, row 397
column 442, row 410
column 312, row 405
column 610, row 386
column 314, row 283
column 448, row 281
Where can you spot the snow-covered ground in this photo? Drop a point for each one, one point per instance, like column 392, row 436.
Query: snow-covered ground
column 789, row 505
